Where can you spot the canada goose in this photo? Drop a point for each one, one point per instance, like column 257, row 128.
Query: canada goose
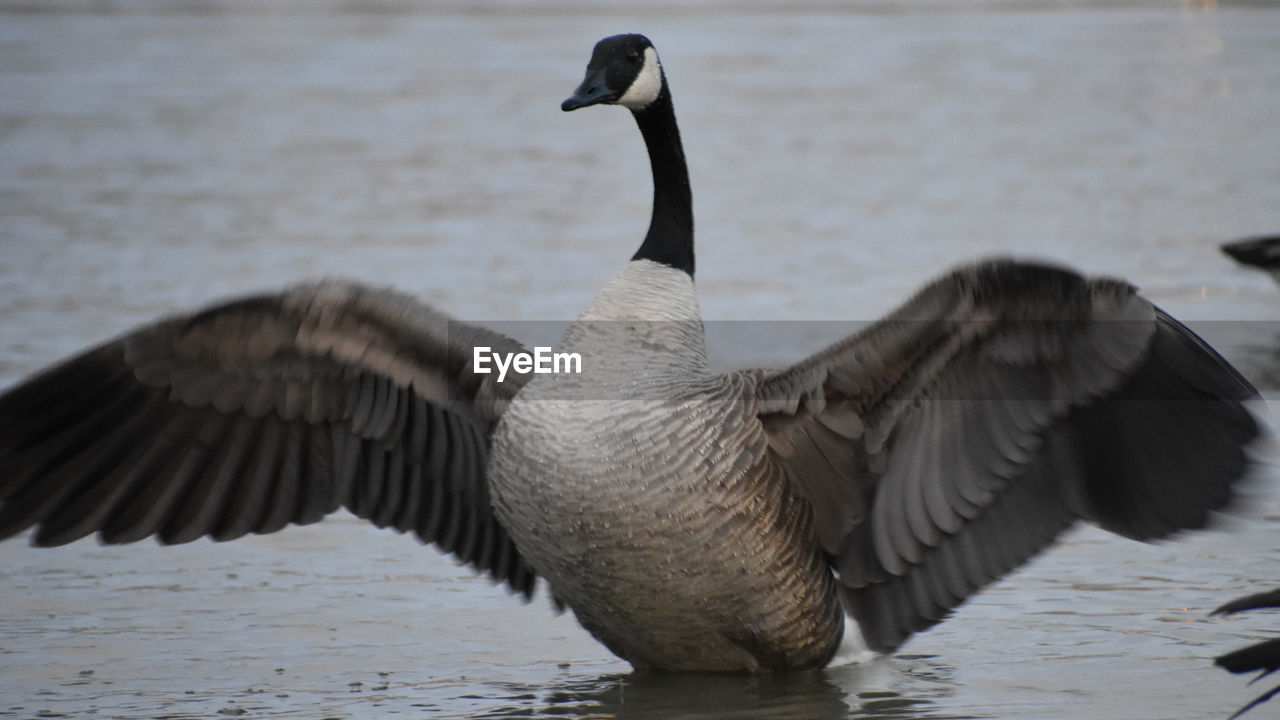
column 691, row 520
column 1263, row 656
column 1262, row 252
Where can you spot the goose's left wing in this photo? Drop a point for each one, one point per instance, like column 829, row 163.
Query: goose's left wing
column 945, row 445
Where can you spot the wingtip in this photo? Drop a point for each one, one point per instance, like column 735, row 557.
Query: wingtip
column 1256, row 601
column 1261, row 250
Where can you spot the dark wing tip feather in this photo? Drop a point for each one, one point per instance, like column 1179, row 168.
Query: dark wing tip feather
column 54, row 453
column 1263, row 657
column 1269, row 599
column 1256, row 702
column 1261, row 250
column 1170, row 445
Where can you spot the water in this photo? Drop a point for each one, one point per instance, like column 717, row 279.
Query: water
column 155, row 156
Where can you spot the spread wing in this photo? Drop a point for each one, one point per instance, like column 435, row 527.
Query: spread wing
column 262, row 412
column 947, row 444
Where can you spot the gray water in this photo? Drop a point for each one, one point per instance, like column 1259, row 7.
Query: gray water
column 156, row 156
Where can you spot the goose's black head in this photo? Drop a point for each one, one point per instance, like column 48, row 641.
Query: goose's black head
column 624, row 70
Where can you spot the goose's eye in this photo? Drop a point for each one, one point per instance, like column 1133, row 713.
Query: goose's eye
column 633, row 57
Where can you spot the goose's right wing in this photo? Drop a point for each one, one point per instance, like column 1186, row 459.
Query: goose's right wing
column 261, row 412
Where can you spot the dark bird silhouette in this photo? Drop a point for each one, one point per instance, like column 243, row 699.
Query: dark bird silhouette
column 1263, row 656
column 1261, row 252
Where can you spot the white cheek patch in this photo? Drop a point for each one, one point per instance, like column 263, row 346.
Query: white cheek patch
column 647, row 84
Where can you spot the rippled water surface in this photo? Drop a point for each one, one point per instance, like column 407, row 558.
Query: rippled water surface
column 155, row 156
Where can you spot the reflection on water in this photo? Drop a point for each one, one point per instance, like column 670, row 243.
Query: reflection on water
column 162, row 156
column 851, row 691
column 654, row 696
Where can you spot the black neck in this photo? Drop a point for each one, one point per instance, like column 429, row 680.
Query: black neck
column 670, row 238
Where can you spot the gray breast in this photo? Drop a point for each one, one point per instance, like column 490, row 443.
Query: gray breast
column 642, row 490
